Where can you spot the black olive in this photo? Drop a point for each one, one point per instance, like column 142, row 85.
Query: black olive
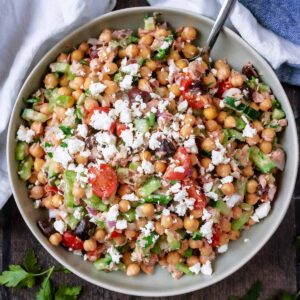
column 85, row 229
column 249, row 71
column 46, row 226
column 167, row 147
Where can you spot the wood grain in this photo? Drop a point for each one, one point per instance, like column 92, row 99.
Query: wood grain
column 275, row 265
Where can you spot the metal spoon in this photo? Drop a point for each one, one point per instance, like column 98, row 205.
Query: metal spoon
column 221, row 18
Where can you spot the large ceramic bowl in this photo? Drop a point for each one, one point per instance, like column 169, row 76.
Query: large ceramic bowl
column 238, row 52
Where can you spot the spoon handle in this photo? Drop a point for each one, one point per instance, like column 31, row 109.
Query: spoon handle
column 221, row 18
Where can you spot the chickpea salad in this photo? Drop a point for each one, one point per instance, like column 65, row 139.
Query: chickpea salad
column 145, row 153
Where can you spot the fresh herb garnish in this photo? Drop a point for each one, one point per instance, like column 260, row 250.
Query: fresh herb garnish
column 252, row 293
column 47, row 145
column 64, row 145
column 32, row 100
column 197, row 236
column 66, row 129
column 188, row 252
column 50, row 154
column 84, row 62
column 25, row 275
column 297, row 241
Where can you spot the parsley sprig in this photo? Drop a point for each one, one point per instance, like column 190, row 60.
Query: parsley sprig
column 25, row 275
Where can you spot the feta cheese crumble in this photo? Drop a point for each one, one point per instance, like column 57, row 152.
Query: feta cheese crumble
column 97, row 88
column 25, row 134
column 261, row 212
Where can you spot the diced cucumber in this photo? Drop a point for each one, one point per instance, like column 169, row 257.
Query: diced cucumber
column 151, row 119
column 261, row 160
column 65, row 101
column 32, row 115
column 239, row 223
column 183, row 268
column 21, row 150
column 242, row 108
column 188, row 252
column 103, row 263
column 72, row 221
column 246, row 206
column 173, row 242
column 152, row 185
column 141, row 125
column 158, row 198
column 133, row 166
column 240, row 124
column 24, row 168
column 130, row 215
column 51, row 96
column 241, row 186
column 122, row 173
column 149, row 23
column 232, row 134
column 96, row 203
column 278, row 114
column 222, row 207
column 69, row 179
column 60, row 67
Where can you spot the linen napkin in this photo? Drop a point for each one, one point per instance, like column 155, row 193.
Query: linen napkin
column 28, row 29
column 272, row 30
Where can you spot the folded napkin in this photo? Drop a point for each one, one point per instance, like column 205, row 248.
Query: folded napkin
column 271, row 27
column 28, row 29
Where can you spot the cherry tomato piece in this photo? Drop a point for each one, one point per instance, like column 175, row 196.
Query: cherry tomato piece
column 72, row 241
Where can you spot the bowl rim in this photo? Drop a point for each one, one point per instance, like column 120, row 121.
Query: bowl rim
column 247, row 257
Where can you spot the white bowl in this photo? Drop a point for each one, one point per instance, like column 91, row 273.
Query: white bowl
column 229, row 45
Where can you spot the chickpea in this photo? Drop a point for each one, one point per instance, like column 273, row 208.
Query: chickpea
column 228, row 189
column 124, row 205
column 268, row 134
column 146, row 40
column 177, row 223
column 236, row 212
column 210, row 113
column 173, row 258
column 234, row 235
column 223, row 70
column 55, row 239
column 41, row 177
column 145, row 72
column 211, row 125
column 151, row 64
column 77, row 55
column 209, row 80
column 266, row 104
column 36, row 150
column 258, row 126
column 111, row 87
column 105, row 36
column 87, row 83
column 166, row 221
column 175, row 89
column 221, row 117
column 252, row 186
column 33, row 178
column 195, row 244
column 78, row 191
column 110, row 68
column 225, row 225
column 133, row 269
column 194, row 173
column 146, row 155
column 130, row 234
column 144, row 85
column 132, row 50
column 59, row 112
column 181, row 64
column 57, row 200
column 84, row 47
column 76, row 94
column 208, row 145
column 206, row 250
column 205, row 162
column 37, row 192
column 266, row 147
column 89, row 245
column 248, row 171
column 230, row 122
column 147, row 210
column 63, row 80
column 38, row 164
column 50, row 81
column 192, row 260
column 45, row 109
column 161, row 32
column 127, row 258
column 189, row 120
column 77, row 83
column 62, row 57
column 174, row 54
column 90, row 104
column 190, row 224
column 224, row 238
column 64, row 91
column 46, row 202
column 145, row 53
column 81, row 159
column 196, row 213
column 251, row 199
column 37, row 127
column 122, row 53
column 119, row 240
column 223, row 170
column 253, row 140
column 189, row 50
column 172, row 107
column 99, row 235
column 186, row 131
column 162, row 77
column 194, row 159
column 160, row 167
column 159, row 228
column 236, row 79
column 189, row 33
column 57, row 167
column 124, row 189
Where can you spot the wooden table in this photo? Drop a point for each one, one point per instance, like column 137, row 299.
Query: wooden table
column 276, row 265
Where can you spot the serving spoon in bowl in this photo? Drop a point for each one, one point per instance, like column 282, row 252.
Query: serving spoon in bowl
column 215, row 31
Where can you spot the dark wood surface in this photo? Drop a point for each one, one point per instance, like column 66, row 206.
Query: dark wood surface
column 276, row 265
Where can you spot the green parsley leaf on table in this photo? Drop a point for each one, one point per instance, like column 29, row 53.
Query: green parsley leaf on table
column 252, row 294
column 16, row 276
column 30, row 262
column 68, row 293
column 297, row 242
column 46, row 290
